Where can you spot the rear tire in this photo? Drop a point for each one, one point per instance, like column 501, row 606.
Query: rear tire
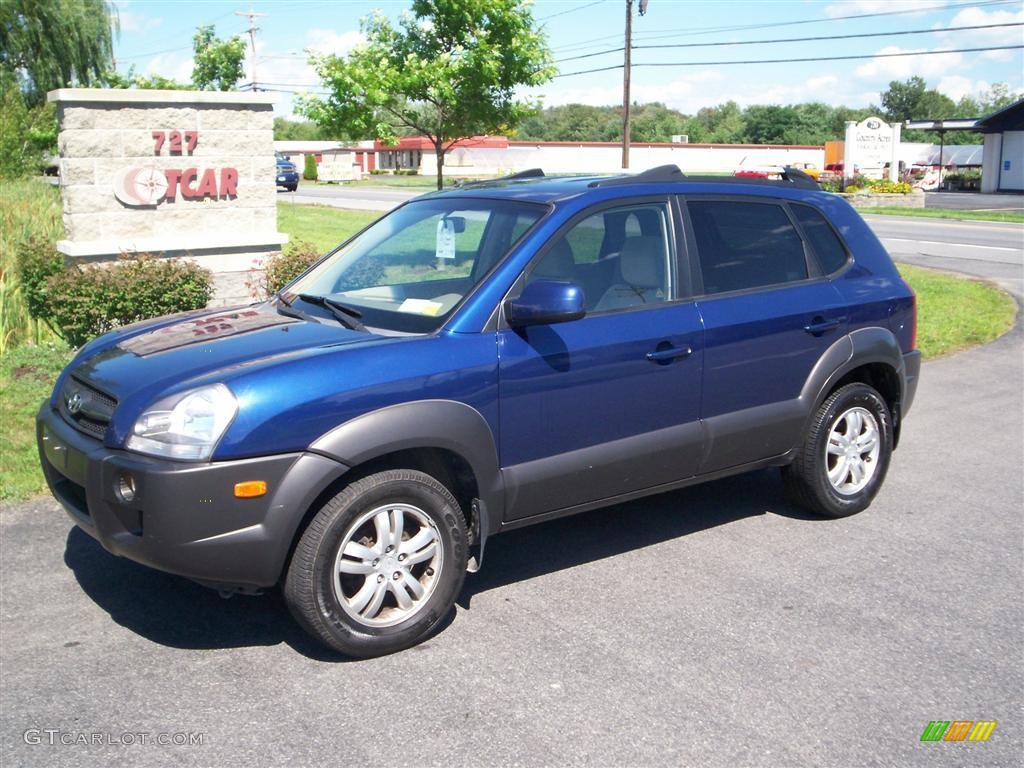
column 846, row 454
column 379, row 565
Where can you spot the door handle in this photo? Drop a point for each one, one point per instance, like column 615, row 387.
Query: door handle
column 818, row 326
column 670, row 353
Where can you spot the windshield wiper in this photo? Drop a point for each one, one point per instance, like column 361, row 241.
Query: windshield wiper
column 285, row 308
column 345, row 315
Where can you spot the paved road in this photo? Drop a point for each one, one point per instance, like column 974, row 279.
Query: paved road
column 716, row 626
column 338, row 196
column 986, row 249
column 974, row 201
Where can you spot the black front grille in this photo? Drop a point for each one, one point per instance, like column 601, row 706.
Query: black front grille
column 85, row 407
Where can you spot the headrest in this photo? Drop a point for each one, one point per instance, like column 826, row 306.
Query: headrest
column 643, row 261
column 558, row 263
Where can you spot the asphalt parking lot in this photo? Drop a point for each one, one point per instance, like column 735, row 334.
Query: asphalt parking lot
column 715, row 626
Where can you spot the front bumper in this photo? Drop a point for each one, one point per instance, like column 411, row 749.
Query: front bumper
column 184, row 517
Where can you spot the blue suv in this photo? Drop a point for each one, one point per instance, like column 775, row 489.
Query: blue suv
column 287, row 174
column 485, row 358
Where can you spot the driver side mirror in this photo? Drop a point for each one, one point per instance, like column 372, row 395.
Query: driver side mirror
column 545, row 302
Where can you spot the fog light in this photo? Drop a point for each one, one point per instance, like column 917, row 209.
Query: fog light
column 250, row 489
column 126, row 487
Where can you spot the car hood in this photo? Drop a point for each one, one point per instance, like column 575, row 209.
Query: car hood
column 140, row 363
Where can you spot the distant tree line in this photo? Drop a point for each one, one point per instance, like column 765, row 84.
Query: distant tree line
column 728, row 123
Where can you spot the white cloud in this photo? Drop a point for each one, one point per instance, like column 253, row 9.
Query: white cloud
column 137, row 23
column 329, row 41
column 694, row 91
column 902, row 67
column 975, row 38
column 958, row 86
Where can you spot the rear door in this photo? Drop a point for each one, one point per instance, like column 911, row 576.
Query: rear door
column 608, row 404
column 769, row 314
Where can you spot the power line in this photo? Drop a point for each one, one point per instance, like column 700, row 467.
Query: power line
column 570, row 10
column 693, row 32
column 794, row 61
column 799, row 39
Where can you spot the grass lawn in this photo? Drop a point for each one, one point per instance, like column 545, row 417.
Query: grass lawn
column 954, row 313
column 27, row 374
column 942, row 213
column 321, row 225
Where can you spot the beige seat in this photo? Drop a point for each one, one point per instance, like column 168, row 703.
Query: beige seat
column 642, row 275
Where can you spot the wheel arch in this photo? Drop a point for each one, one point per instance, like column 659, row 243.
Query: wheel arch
column 447, row 439
column 869, row 355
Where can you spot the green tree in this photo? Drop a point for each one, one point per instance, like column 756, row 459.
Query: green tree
column 28, row 132
column 654, row 122
column 721, row 124
column 297, row 130
column 912, row 100
column 142, row 82
column 218, row 64
column 449, row 70
column 56, row 43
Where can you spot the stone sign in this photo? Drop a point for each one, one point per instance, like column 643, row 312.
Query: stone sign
column 170, row 173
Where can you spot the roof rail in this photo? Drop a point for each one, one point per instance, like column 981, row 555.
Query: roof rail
column 659, row 173
column 798, row 178
column 668, row 173
column 531, row 173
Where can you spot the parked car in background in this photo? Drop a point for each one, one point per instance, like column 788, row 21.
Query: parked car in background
column 287, row 173
column 484, row 358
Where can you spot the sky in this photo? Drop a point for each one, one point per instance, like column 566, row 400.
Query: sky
column 156, row 36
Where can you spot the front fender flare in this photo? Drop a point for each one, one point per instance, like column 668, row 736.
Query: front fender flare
column 445, row 424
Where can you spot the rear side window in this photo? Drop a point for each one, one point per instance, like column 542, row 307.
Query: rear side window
column 745, row 245
column 826, row 243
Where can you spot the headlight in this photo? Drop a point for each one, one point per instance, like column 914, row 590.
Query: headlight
column 185, row 426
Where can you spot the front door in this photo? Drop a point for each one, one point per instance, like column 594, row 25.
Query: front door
column 609, row 404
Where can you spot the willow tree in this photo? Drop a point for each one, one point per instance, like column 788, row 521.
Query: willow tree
column 449, row 70
column 56, row 43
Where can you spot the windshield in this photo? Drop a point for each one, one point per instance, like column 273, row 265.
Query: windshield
column 409, row 270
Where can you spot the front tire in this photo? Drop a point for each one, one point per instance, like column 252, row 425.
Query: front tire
column 379, row 565
column 844, row 459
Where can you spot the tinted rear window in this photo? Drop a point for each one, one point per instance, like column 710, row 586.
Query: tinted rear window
column 745, row 245
column 825, row 242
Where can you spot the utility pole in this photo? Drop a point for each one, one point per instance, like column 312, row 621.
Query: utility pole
column 253, row 29
column 627, row 64
column 625, row 83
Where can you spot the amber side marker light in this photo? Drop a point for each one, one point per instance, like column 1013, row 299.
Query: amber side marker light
column 250, row 489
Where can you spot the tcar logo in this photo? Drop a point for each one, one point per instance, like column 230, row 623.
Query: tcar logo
column 140, row 186
column 148, row 187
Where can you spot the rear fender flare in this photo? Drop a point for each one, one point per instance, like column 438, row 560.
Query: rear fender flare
column 861, row 347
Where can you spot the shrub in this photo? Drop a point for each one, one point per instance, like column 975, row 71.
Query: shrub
column 281, row 268
column 831, row 185
column 309, row 169
column 379, row 172
column 86, row 301
column 408, row 172
column 38, row 260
